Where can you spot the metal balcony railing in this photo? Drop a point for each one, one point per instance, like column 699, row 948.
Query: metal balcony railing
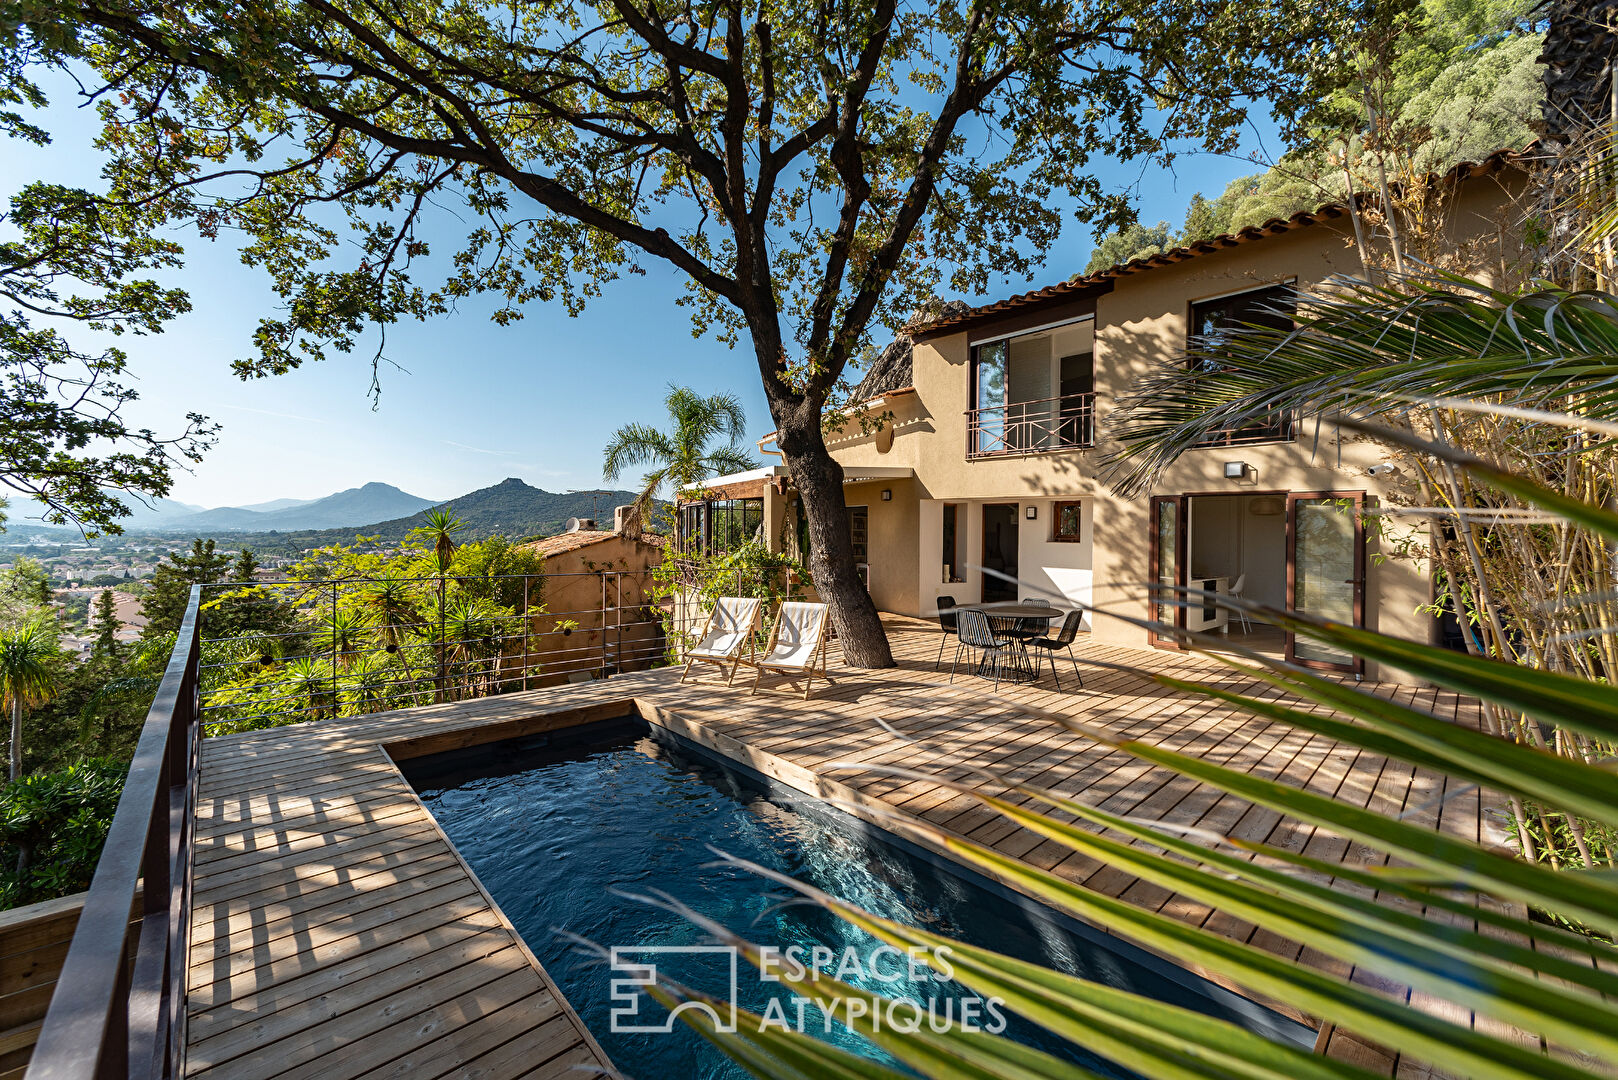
column 118, row 1010
column 1280, row 429
column 1032, row 427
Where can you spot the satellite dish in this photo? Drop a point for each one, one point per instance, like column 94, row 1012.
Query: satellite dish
column 571, row 526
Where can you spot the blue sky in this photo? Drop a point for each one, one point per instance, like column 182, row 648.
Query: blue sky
column 476, row 402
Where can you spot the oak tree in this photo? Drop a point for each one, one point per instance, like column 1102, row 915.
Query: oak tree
column 814, row 170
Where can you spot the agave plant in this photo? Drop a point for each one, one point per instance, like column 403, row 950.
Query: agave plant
column 1443, row 915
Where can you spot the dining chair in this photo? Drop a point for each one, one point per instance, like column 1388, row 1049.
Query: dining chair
column 972, row 631
column 1235, row 593
column 946, row 623
column 1047, row 646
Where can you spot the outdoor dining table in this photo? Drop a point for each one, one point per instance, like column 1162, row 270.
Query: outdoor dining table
column 1019, row 620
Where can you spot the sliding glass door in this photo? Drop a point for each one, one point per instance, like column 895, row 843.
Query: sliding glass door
column 1326, row 571
column 1167, row 569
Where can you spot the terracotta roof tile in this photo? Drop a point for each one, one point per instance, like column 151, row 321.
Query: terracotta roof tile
column 1274, row 227
column 569, row 541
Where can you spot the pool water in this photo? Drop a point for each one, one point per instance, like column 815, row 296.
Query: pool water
column 553, row 823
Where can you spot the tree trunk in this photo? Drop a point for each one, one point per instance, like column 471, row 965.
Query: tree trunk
column 831, row 557
column 16, row 739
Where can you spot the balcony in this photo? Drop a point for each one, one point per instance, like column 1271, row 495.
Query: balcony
column 1279, row 429
column 1032, row 427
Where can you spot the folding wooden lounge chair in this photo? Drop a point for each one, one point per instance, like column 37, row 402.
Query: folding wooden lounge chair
column 797, row 645
column 729, row 629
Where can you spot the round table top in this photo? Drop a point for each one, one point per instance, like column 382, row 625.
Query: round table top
column 1007, row 609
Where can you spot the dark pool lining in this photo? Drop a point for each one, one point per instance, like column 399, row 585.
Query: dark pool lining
column 521, row 753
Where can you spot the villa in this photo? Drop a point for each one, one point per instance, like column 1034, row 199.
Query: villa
column 356, row 884
column 997, row 423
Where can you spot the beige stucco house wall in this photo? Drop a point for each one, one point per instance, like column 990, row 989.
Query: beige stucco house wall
column 1131, row 318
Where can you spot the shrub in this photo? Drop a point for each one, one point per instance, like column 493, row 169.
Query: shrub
column 52, row 827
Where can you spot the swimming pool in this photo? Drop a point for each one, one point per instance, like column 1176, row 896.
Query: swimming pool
column 553, row 823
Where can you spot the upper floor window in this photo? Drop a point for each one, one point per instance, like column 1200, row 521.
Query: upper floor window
column 1033, row 392
column 1272, row 306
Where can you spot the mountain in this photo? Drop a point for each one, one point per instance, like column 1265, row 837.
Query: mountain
column 277, row 504
column 345, row 509
column 513, row 508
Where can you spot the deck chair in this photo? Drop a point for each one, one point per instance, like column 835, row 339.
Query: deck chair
column 729, row 628
column 796, row 643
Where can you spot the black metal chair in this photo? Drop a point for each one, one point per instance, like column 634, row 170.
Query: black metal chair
column 972, row 631
column 946, row 623
column 1063, row 640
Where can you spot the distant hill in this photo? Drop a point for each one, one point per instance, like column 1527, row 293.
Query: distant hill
column 512, row 508
column 277, row 504
column 150, row 514
column 346, row 509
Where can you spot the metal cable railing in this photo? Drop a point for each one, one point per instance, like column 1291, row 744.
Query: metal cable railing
column 283, row 652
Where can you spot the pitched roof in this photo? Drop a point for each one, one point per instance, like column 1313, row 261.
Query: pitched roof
column 892, row 370
column 1102, row 279
column 569, row 541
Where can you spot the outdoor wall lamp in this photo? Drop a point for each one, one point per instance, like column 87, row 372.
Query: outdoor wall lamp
column 1235, row 470
column 1031, row 512
column 887, row 494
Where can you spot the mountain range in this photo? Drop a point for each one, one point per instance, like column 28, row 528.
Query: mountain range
column 509, row 508
column 356, row 506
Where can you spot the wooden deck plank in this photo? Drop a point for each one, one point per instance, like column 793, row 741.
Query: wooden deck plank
column 337, row 935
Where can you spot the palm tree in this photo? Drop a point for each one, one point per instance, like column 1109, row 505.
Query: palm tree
column 686, row 454
column 440, row 526
column 27, row 677
column 389, row 599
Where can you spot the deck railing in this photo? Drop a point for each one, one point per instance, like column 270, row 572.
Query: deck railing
column 1032, row 427
column 118, row 1009
column 281, row 652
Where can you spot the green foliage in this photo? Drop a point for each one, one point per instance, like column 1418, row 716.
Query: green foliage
column 164, row 605
column 52, row 828
column 362, row 631
column 695, row 581
column 1134, row 242
column 23, row 588
column 1461, row 82
column 686, row 454
column 71, row 258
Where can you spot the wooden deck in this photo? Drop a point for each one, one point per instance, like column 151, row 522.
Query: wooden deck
column 336, row 934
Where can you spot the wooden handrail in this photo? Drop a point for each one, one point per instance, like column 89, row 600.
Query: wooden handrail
column 111, row 1017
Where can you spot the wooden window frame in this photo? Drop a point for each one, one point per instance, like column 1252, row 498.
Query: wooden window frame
column 1057, row 536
